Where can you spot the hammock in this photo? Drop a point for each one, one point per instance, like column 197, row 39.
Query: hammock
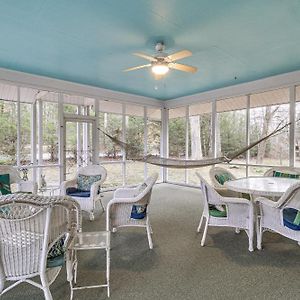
column 188, row 164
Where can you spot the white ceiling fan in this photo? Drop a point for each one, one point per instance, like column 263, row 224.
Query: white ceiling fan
column 161, row 62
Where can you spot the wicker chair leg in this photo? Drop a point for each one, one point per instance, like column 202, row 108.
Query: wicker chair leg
column 204, row 233
column 149, row 237
column 259, row 234
column 200, row 223
column 92, row 216
column 45, row 286
column 102, row 206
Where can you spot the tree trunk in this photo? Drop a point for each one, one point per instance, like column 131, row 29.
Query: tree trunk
column 196, row 147
column 261, row 150
column 218, row 137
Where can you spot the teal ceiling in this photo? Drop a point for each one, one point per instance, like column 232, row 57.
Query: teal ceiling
column 91, row 41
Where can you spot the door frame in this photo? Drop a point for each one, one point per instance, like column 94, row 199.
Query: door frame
column 80, row 119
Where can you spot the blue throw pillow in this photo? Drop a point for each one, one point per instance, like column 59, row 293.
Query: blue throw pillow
column 85, row 182
column 138, row 212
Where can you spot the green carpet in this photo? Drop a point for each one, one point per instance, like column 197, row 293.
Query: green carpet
column 178, row 267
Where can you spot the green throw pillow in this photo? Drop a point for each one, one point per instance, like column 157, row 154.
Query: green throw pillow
column 5, row 184
column 297, row 219
column 85, row 182
column 222, row 178
column 286, row 175
column 215, row 212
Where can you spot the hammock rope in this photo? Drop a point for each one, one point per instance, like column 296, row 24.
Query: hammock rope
column 188, row 164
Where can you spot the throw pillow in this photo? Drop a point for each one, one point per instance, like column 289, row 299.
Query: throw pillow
column 55, row 255
column 138, row 211
column 222, row 178
column 5, row 184
column 85, row 182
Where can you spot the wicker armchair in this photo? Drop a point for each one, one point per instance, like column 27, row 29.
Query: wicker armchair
column 30, row 228
column 15, row 178
column 237, row 213
column 130, row 207
column 86, row 199
column 218, row 177
column 280, row 216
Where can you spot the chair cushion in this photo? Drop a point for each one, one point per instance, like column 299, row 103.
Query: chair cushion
column 286, row 175
column 222, row 178
column 291, row 218
column 217, row 211
column 5, row 184
column 56, row 253
column 74, row 192
column 85, row 182
column 138, row 211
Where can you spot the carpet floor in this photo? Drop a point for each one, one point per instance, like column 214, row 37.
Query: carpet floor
column 178, row 267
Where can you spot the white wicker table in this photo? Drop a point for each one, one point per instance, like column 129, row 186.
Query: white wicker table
column 261, row 186
column 88, row 241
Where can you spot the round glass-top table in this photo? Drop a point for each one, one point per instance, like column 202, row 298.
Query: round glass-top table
column 261, row 186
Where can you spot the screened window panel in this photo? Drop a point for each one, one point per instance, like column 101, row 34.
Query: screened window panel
column 263, row 120
column 231, row 126
column 134, row 172
column 51, row 133
column 8, row 132
column 231, row 104
column 110, row 107
column 114, row 175
column 111, row 124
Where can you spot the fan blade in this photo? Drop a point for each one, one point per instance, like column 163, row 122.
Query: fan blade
column 137, row 68
column 145, row 56
column 179, row 55
column 184, row 68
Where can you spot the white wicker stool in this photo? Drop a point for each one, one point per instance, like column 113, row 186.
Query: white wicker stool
column 87, row 241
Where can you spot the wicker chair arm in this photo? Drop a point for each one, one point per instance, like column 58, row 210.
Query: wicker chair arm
column 123, row 200
column 237, row 201
column 95, row 188
column 66, row 184
column 266, row 201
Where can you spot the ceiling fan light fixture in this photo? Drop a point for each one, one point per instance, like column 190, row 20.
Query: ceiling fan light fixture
column 160, row 69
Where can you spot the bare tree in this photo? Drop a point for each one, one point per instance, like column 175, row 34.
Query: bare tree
column 196, row 147
column 266, row 124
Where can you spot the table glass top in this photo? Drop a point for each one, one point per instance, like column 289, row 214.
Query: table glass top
column 264, row 186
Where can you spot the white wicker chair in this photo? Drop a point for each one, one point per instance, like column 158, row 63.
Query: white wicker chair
column 220, row 188
column 270, row 215
column 28, row 230
column 87, row 203
column 239, row 212
column 15, row 178
column 119, row 209
column 286, row 170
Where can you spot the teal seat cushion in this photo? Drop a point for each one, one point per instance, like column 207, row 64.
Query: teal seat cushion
column 222, row 178
column 286, row 175
column 5, row 184
column 85, row 182
column 217, row 212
